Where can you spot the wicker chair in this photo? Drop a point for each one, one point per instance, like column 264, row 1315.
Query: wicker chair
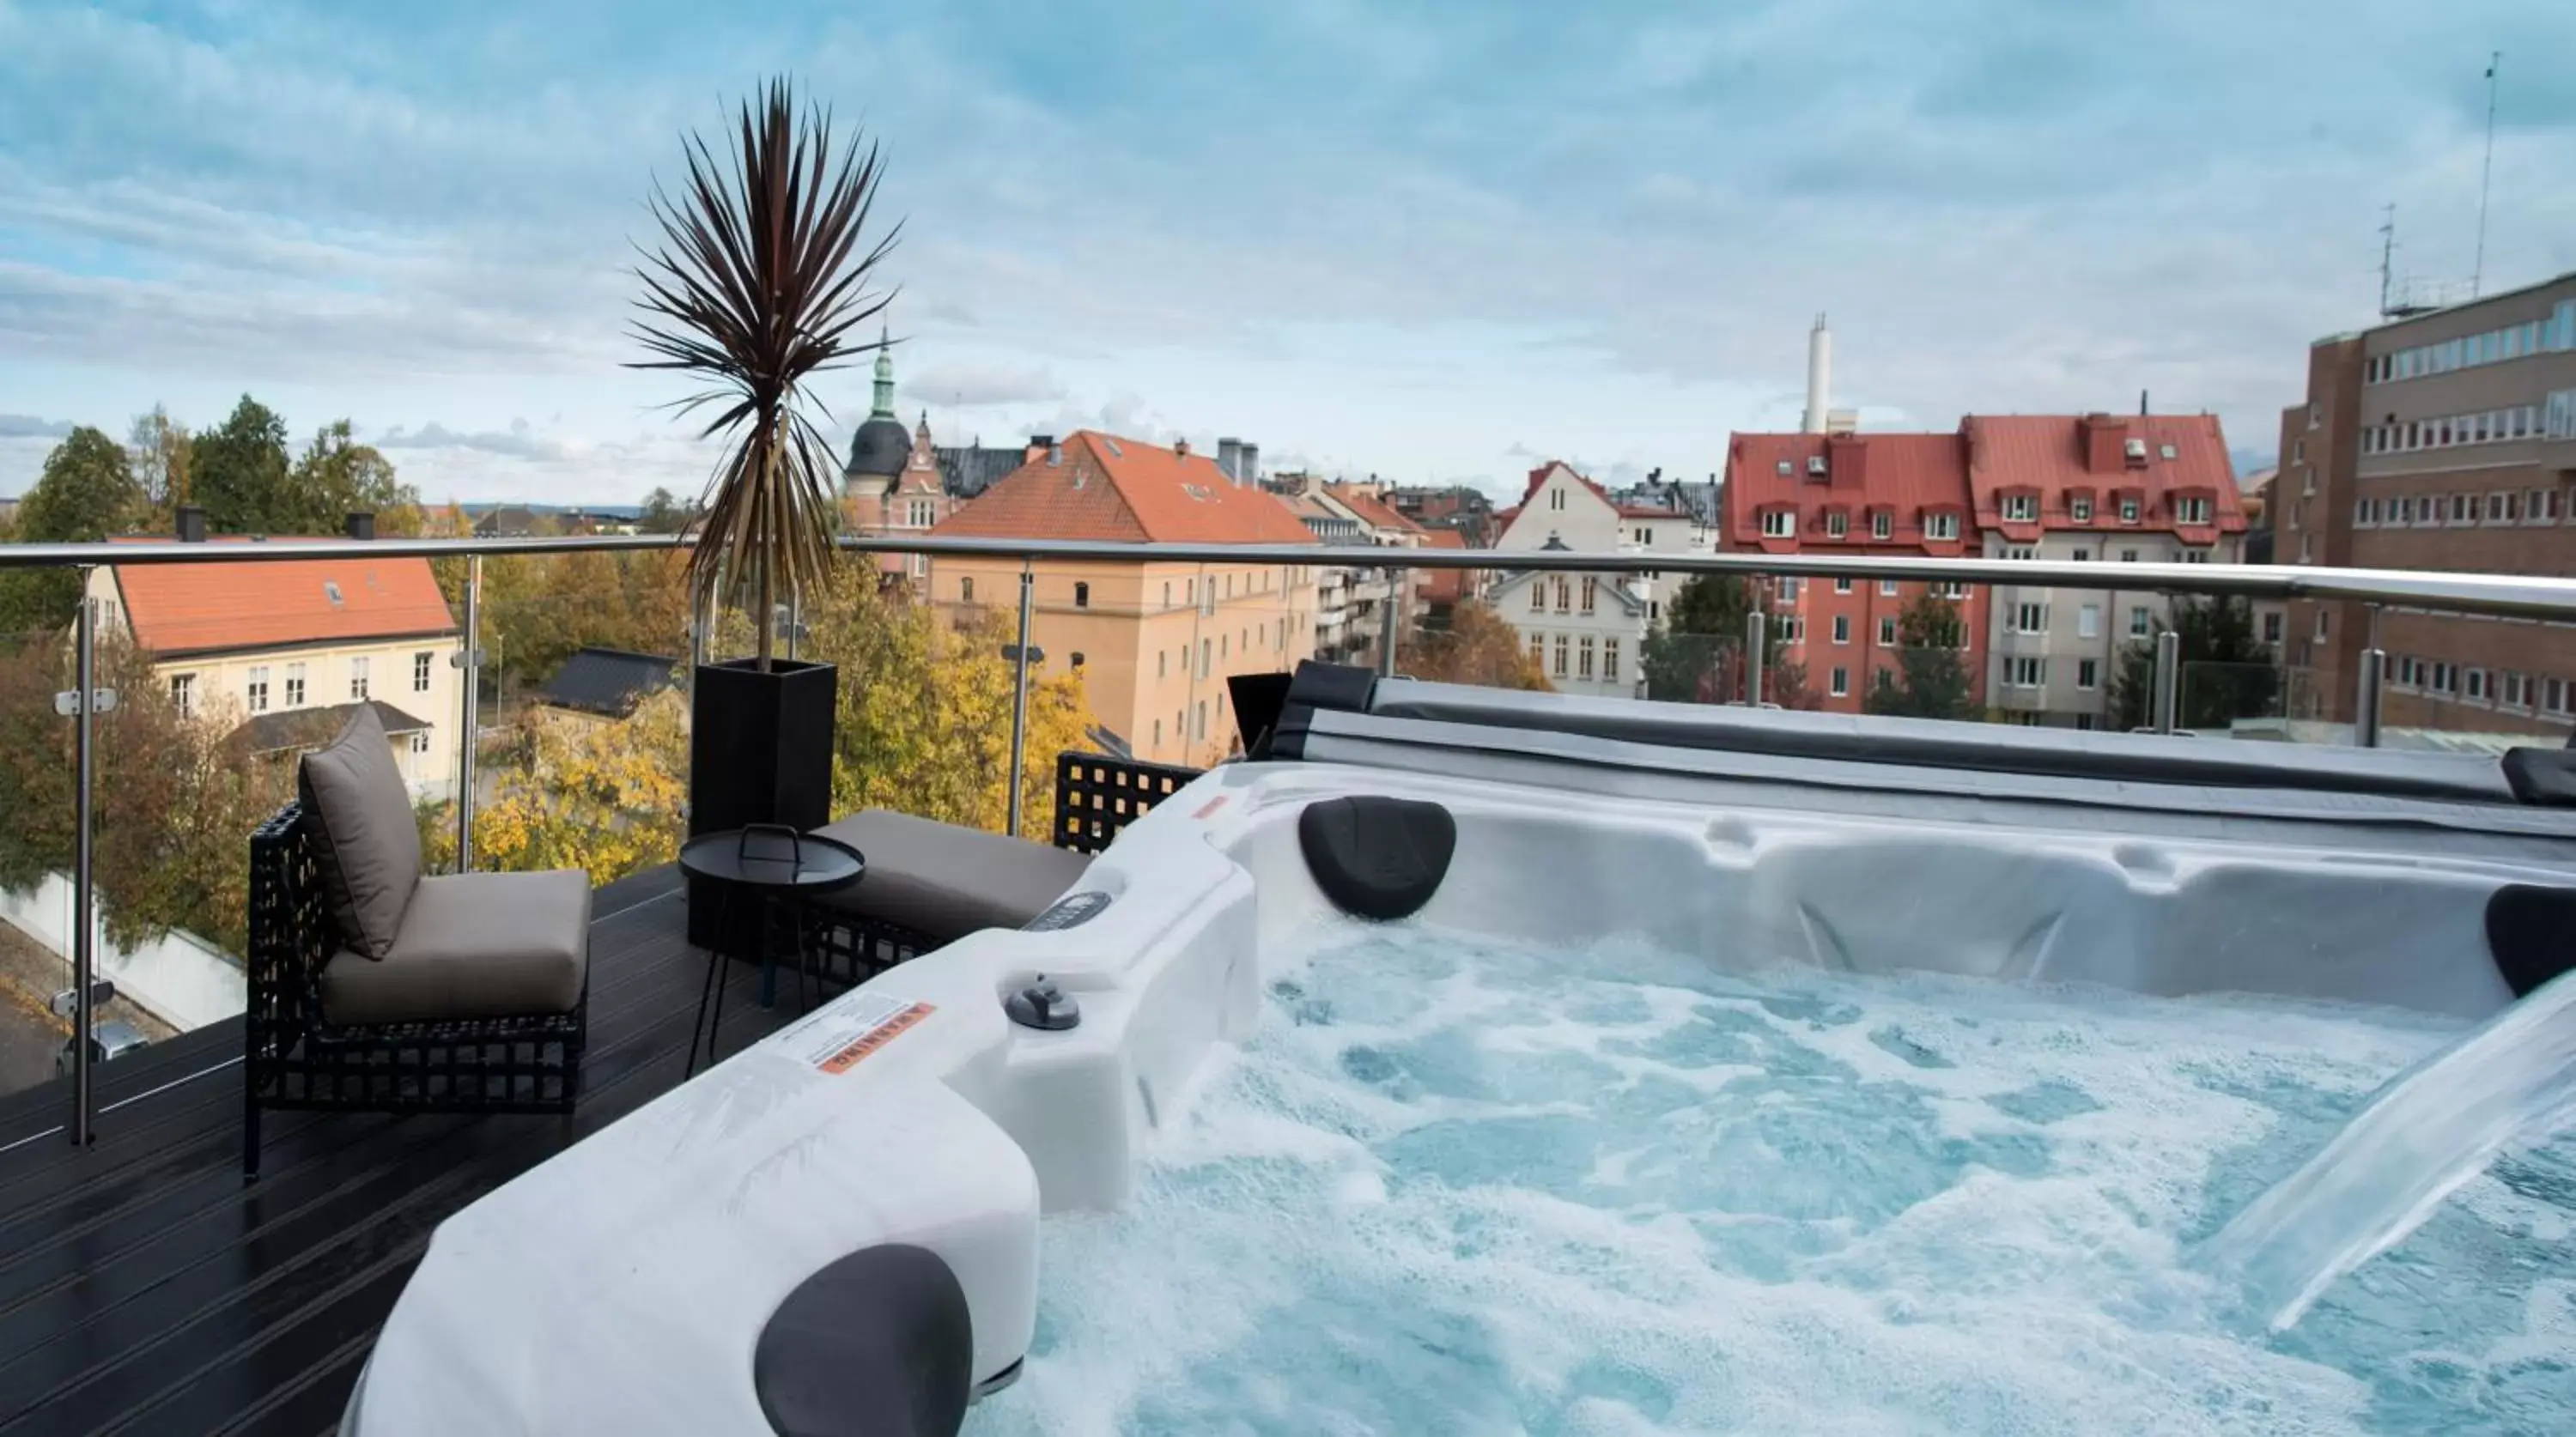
column 297, row 1058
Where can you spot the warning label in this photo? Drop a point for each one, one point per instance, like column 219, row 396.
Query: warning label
column 840, row 1039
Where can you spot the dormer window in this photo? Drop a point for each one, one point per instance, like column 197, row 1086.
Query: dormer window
column 1787, row 469
column 1816, row 465
column 2021, row 508
column 1941, row 526
column 2128, row 511
column 1779, row 523
column 2136, row 451
column 1837, row 524
column 2191, row 511
column 2080, row 508
column 1882, row 525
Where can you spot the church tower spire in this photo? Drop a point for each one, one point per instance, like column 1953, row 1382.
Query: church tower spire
column 885, row 378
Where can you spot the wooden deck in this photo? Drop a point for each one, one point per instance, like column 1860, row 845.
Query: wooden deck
column 145, row 1289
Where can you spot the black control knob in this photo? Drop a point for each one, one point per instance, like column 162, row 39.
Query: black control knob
column 1044, row 1006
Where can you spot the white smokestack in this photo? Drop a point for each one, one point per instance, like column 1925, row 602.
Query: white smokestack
column 1820, row 366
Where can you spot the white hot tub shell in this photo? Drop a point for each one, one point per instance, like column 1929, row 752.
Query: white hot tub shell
column 622, row 1285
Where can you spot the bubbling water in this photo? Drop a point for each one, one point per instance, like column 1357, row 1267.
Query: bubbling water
column 1467, row 1186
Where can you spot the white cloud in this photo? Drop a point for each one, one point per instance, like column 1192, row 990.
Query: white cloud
column 28, row 426
column 975, row 384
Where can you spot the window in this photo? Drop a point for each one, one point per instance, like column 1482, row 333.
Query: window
column 965, row 591
column 1610, row 661
column 2080, row 509
column 1207, row 653
column 2128, row 556
column 1645, row 536
column 1081, row 596
column 1887, row 588
column 256, row 691
column 358, row 677
column 2540, row 506
column 2169, row 452
column 1842, row 628
column 2476, row 686
column 1162, row 664
column 2298, row 451
column 2499, row 508
column 2323, row 615
column 1562, row 649
column 2195, row 556
column 1952, row 591
column 1940, row 526
column 1583, row 658
column 1784, row 468
column 1158, row 733
column 2029, row 671
column 2191, row 511
column 1842, row 683
column 2088, row 673
column 1202, row 718
column 2558, row 696
column 1842, row 586
column 1538, row 596
column 2088, row 622
column 1556, row 499
column 2464, row 509
column 2128, row 511
column 1779, row 523
column 1837, row 524
column 1538, row 651
column 1564, row 595
column 2513, row 689
column 183, row 694
column 2141, row 623
column 1887, row 633
column 1591, row 592
column 420, row 743
column 1789, row 591
column 2082, row 555
column 420, row 673
column 2401, row 510
column 295, row 686
column 2030, row 619
column 2272, row 628
column 2020, row 551
column 2021, row 508
column 1167, row 603
column 1882, row 525
column 2361, row 512
column 2306, row 554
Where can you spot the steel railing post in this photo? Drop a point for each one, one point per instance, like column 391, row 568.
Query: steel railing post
column 1020, row 698
column 469, row 710
column 85, row 704
column 2366, row 693
column 1388, row 624
column 1757, row 636
column 2168, row 679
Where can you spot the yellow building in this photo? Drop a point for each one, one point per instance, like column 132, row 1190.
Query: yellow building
column 1154, row 642
column 266, row 644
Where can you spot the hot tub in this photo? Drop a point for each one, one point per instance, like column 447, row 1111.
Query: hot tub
column 625, row 1285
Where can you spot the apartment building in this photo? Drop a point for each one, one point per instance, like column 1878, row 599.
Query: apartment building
column 1876, row 495
column 1606, row 614
column 2101, row 488
column 288, row 650
column 1153, row 642
column 2440, row 440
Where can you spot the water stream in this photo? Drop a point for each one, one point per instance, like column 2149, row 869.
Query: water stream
column 2510, row 1083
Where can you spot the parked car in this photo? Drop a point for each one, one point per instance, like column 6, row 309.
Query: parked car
column 112, row 1039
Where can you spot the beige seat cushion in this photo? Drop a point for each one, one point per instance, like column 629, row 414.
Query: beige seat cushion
column 473, row 945
column 946, row 881
column 365, row 840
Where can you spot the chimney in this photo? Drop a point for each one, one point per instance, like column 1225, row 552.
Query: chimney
column 1250, row 463
column 362, row 526
column 2101, row 436
column 1820, row 365
column 1040, row 446
column 1229, row 457
column 1181, row 448
column 192, row 524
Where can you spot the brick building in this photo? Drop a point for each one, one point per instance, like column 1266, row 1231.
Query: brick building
column 2443, row 440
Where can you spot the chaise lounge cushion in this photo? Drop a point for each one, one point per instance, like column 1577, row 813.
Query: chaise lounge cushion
column 473, row 945
column 365, row 840
column 945, row 882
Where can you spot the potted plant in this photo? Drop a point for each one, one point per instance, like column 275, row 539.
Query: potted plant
column 758, row 286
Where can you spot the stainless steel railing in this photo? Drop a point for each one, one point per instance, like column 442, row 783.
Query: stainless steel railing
column 2498, row 595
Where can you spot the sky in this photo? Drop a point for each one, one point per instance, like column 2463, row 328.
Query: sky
column 1429, row 241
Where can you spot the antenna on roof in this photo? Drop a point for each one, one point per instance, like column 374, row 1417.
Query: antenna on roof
column 2486, row 169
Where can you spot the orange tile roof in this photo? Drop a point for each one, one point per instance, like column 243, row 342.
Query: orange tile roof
column 1443, row 585
column 1444, row 539
column 214, row 608
column 1122, row 490
column 1371, row 510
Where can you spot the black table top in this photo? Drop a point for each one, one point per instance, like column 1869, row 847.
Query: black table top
column 773, row 858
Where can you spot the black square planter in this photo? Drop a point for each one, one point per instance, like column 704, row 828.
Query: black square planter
column 760, row 751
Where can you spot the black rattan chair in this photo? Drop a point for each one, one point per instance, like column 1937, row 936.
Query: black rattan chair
column 296, row 1058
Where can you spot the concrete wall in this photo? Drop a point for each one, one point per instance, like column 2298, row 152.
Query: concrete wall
column 182, row 980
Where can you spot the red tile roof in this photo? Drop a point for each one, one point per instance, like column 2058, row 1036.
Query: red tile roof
column 1443, row 585
column 2047, row 454
column 207, row 608
column 1371, row 510
column 1906, row 473
column 1111, row 489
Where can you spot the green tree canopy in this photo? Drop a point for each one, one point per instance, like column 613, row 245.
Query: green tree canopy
column 87, row 492
column 1695, row 654
column 1934, row 680
column 337, row 477
column 2227, row 671
column 238, row 471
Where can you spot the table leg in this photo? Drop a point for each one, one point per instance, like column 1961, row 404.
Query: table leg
column 768, row 955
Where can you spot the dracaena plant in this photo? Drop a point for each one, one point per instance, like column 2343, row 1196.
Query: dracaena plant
column 759, row 285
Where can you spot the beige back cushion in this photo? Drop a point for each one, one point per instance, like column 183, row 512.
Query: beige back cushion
column 365, row 841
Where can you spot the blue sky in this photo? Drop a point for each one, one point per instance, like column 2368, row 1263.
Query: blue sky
column 1431, row 241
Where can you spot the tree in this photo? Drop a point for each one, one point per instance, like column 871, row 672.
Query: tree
column 664, row 514
column 86, row 492
column 161, row 452
column 1935, row 682
column 336, row 477
column 238, row 471
column 607, row 798
column 1696, row 652
column 2227, row 672
column 1478, row 647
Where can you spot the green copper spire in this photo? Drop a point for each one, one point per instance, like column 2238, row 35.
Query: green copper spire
column 885, row 380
